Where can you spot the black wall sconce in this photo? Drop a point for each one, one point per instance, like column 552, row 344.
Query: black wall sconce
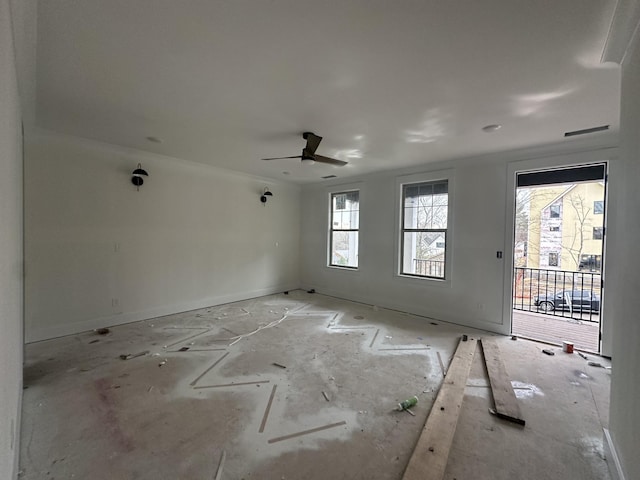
column 265, row 194
column 137, row 179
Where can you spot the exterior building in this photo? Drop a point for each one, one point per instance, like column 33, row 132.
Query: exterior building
column 565, row 228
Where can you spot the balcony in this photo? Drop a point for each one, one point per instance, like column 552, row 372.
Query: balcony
column 556, row 306
column 428, row 268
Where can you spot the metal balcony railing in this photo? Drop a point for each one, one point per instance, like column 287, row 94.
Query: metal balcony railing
column 429, row 268
column 561, row 293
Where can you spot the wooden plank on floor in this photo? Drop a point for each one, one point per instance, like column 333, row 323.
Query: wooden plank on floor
column 505, row 399
column 429, row 458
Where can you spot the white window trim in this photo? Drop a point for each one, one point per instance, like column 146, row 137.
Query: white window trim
column 351, row 187
column 434, row 176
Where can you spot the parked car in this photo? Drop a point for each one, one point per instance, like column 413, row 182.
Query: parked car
column 576, row 300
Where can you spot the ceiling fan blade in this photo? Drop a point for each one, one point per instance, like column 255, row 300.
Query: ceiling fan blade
column 313, row 141
column 282, row 158
column 330, row 161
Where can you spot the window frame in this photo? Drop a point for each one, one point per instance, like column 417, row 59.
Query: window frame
column 425, row 177
column 338, row 190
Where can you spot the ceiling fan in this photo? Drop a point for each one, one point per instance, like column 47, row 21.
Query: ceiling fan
column 308, row 156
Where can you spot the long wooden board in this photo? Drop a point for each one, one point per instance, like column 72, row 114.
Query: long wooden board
column 505, row 399
column 429, row 458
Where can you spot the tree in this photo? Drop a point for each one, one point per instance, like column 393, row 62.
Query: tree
column 431, row 213
column 576, row 236
column 522, row 225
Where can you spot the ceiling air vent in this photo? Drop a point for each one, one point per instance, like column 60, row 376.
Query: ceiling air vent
column 330, row 176
column 586, row 130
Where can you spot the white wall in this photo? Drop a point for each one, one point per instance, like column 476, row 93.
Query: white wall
column 100, row 253
column 10, row 252
column 624, row 234
column 475, row 293
column 482, row 203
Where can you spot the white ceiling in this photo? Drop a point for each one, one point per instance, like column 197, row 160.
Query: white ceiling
column 388, row 84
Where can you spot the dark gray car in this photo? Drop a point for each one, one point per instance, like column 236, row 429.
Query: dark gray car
column 576, row 300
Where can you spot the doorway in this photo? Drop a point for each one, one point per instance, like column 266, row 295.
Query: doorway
column 558, row 248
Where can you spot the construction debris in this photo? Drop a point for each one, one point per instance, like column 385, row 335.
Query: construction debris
column 102, row 331
column 133, row 355
column 408, row 403
column 183, row 349
column 431, row 453
column 208, row 369
column 548, row 352
column 263, row 424
column 597, row 365
column 326, row 397
column 278, row 365
column 583, row 355
column 306, row 432
column 444, row 370
column 504, row 397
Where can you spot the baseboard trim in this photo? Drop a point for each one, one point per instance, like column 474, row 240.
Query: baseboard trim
column 412, row 310
column 48, row 333
column 611, row 456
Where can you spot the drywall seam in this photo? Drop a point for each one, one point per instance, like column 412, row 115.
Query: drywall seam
column 40, row 334
column 622, row 30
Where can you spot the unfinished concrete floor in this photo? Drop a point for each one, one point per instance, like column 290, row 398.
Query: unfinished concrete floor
column 171, row 414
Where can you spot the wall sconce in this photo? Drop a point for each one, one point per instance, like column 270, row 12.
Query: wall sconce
column 265, row 194
column 137, row 179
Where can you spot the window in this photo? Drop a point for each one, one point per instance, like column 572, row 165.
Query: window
column 553, row 259
column 344, row 229
column 554, row 211
column 592, row 263
column 597, row 233
column 554, row 229
column 598, row 207
column 425, row 210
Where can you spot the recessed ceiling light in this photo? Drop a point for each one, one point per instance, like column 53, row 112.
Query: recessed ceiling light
column 491, row 128
column 154, row 139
